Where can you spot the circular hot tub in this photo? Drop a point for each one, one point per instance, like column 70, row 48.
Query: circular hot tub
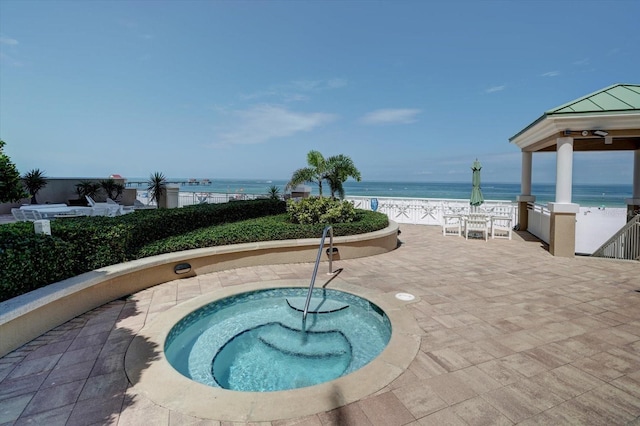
column 259, row 341
column 163, row 366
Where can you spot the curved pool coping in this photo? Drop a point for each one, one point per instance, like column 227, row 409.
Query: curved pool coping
column 30, row 315
column 151, row 374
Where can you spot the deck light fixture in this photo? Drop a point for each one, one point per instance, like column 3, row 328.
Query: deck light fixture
column 182, row 268
column 601, row 133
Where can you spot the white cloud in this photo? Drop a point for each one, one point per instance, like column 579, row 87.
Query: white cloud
column 8, row 41
column 495, row 89
column 262, row 123
column 391, row 116
column 551, row 74
column 4, row 58
column 296, row 90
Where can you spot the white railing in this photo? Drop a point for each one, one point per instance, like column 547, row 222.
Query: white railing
column 625, row 244
column 539, row 219
column 192, row 198
column 428, row 211
column 420, row 211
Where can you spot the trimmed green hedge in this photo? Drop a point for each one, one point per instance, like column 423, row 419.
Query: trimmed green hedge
column 265, row 229
column 29, row 261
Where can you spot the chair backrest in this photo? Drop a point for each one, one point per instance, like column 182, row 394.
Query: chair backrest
column 18, row 215
column 506, row 211
column 31, row 215
column 477, row 221
column 110, row 201
column 90, row 200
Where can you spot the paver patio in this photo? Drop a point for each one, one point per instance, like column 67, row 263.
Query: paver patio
column 511, row 335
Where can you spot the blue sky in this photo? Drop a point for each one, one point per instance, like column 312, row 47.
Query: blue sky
column 410, row 90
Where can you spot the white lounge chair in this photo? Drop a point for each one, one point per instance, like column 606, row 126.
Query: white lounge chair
column 477, row 223
column 32, row 215
column 103, row 209
column 18, row 215
column 123, row 209
column 139, row 205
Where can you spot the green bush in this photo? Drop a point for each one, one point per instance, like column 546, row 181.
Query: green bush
column 320, row 210
column 29, row 261
column 270, row 228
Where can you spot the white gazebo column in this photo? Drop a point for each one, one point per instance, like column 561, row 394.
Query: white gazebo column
column 525, row 196
column 633, row 203
column 562, row 232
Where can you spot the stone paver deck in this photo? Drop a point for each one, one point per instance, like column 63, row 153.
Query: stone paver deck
column 511, row 335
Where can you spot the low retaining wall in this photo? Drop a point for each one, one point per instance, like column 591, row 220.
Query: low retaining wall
column 28, row 316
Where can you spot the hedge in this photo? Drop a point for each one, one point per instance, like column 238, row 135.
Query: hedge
column 29, row 261
column 271, row 228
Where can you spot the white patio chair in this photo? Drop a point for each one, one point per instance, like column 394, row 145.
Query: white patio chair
column 452, row 224
column 502, row 222
column 477, row 223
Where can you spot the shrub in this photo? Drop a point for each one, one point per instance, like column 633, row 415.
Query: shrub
column 29, row 261
column 272, row 228
column 320, row 210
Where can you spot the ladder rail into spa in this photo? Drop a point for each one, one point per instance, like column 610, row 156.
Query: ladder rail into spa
column 327, row 229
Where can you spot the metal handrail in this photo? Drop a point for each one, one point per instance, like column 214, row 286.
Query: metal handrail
column 625, row 244
column 315, row 268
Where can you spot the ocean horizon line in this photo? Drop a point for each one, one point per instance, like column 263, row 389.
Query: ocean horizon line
column 584, row 194
column 352, row 182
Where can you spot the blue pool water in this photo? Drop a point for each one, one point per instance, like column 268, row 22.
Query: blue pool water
column 258, row 342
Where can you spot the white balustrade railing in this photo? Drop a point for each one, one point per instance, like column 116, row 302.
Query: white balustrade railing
column 625, row 244
column 429, row 211
column 539, row 218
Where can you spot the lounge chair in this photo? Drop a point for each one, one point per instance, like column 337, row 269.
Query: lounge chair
column 103, row 209
column 123, row 209
column 32, row 215
column 139, row 205
column 18, row 215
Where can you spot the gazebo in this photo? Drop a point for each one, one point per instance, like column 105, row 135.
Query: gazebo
column 606, row 120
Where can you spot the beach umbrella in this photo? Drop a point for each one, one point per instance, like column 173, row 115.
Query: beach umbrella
column 476, row 193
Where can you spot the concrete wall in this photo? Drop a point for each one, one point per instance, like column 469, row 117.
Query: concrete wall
column 58, row 190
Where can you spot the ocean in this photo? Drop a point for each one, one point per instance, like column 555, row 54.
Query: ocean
column 613, row 195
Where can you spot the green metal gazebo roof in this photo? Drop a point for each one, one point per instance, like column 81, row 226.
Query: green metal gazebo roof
column 615, row 107
column 618, row 98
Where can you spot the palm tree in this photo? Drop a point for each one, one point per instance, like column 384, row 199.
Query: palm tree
column 34, row 180
column 157, row 187
column 273, row 192
column 112, row 188
column 316, row 172
column 339, row 169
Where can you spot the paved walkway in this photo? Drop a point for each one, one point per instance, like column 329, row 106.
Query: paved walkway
column 512, row 335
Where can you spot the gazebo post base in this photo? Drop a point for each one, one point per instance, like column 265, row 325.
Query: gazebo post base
column 523, row 210
column 562, row 232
